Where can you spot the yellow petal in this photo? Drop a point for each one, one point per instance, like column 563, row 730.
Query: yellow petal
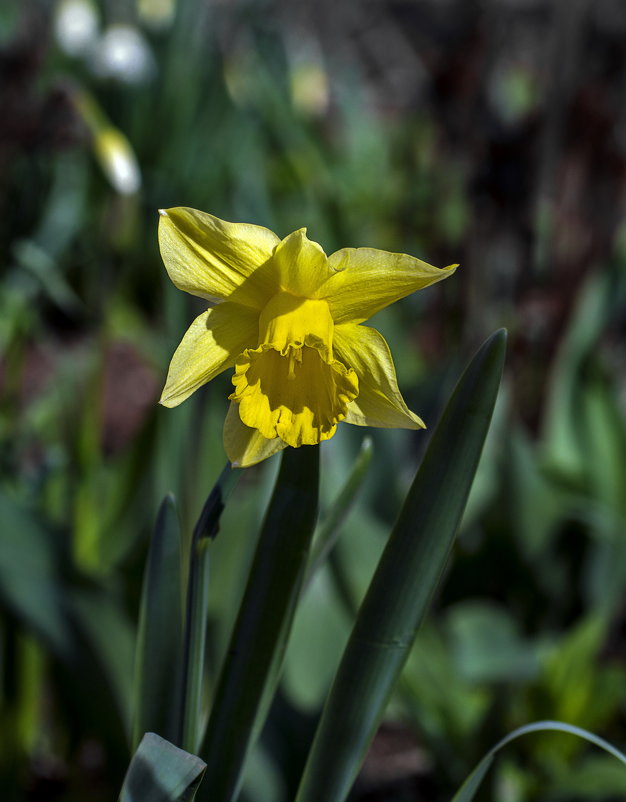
column 367, row 280
column 298, row 396
column 301, row 265
column 216, row 260
column 211, row 344
column 379, row 402
column 245, row 446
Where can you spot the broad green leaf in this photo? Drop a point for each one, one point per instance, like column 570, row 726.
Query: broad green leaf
column 161, row 772
column 563, row 449
column 468, row 790
column 404, row 582
column 250, row 671
column 159, row 638
column 487, row 644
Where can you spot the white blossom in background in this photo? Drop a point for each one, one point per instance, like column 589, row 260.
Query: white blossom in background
column 124, row 54
column 76, row 26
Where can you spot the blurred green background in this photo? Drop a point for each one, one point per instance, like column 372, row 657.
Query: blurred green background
column 492, row 134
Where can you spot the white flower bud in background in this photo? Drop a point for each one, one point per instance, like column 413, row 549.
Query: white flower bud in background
column 124, row 54
column 118, row 161
column 76, row 26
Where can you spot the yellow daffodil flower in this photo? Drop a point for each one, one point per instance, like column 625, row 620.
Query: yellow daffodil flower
column 288, row 319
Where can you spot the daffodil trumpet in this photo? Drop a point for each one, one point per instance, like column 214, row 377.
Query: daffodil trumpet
column 288, row 319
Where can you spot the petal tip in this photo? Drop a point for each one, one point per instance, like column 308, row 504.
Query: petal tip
column 163, row 212
column 299, row 234
column 167, row 401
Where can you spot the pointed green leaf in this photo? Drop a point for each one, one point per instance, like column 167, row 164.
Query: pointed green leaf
column 161, row 772
column 404, row 582
column 160, row 629
column 563, row 449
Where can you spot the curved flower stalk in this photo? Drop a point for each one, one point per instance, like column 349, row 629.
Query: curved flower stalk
column 288, row 319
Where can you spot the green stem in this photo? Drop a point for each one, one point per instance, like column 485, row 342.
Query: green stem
column 252, row 664
column 192, row 673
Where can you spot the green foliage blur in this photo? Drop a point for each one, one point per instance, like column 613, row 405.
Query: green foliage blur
column 489, row 134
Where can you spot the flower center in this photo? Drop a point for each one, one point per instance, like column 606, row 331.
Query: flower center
column 290, row 386
column 289, row 322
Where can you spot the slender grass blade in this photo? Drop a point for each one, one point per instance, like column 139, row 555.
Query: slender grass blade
column 467, row 791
